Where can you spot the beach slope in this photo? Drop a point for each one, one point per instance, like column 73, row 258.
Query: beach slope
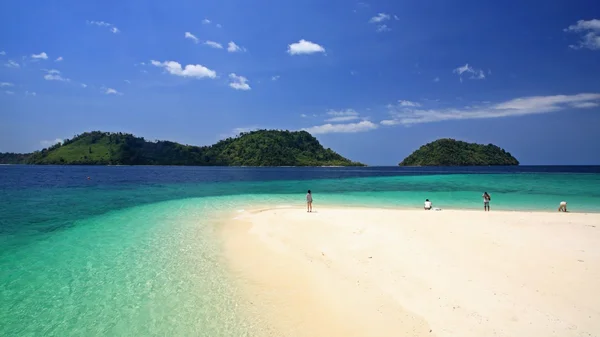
column 381, row 272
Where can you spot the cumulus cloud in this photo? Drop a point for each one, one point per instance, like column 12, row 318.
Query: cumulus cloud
column 304, row 47
column 362, row 126
column 408, row 103
column 342, row 115
column 213, row 44
column 111, row 91
column 2, row 53
column 46, row 143
column 40, row 56
column 589, row 33
column 83, row 85
column 380, row 18
column 408, row 115
column 233, row 48
column 28, row 93
column 476, row 74
column 54, row 75
column 206, row 22
column 383, row 28
column 239, row 82
column 58, row 59
column 6, row 84
column 12, row 64
column 190, row 70
column 112, row 28
column 275, row 78
column 192, row 37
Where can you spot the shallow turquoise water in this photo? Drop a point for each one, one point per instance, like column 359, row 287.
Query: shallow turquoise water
column 143, row 258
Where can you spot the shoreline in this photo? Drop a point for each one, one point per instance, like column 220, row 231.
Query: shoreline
column 356, row 271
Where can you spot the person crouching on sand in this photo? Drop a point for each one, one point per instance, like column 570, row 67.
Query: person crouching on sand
column 427, row 205
column 563, row 206
column 486, row 201
column 308, row 201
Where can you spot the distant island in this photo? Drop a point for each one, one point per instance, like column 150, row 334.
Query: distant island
column 256, row 148
column 450, row 152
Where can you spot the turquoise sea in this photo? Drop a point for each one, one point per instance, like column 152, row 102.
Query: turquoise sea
column 135, row 251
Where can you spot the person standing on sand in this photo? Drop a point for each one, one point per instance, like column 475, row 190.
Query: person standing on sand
column 308, row 201
column 486, row 201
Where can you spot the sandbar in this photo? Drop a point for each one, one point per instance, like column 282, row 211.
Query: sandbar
column 385, row 272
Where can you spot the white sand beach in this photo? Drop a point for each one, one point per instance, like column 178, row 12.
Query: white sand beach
column 381, row 272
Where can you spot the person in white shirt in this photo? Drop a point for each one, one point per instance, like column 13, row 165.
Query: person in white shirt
column 563, row 206
column 427, row 205
column 309, row 201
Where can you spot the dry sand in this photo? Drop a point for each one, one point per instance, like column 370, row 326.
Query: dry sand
column 380, row 272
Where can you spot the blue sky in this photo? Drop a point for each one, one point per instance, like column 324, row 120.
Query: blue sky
column 373, row 80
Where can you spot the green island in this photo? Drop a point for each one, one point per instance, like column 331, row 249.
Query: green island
column 450, row 152
column 256, row 148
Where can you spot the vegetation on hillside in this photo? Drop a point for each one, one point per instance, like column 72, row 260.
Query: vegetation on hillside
column 450, row 152
column 13, row 158
column 257, row 148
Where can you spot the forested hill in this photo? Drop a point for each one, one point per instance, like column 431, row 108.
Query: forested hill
column 450, row 152
column 256, row 148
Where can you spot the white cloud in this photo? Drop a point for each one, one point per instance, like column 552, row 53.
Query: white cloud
column 110, row 26
column 12, row 64
column 303, row 115
column 83, row 85
column 190, row 70
column 590, row 31
column 27, row 93
column 342, row 115
column 54, row 75
column 476, row 74
column 239, row 82
column 111, row 91
column 6, row 84
column 396, row 17
column 40, row 56
column 2, row 53
column 584, row 105
column 380, row 18
column 304, row 47
column 275, row 78
column 402, row 115
column 213, row 44
column 383, row 28
column 47, row 143
column 192, row 37
column 218, row 25
column 58, row 59
column 8, row 92
column 206, row 21
column 233, row 48
column 342, row 128
column 437, row 79
column 408, row 103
